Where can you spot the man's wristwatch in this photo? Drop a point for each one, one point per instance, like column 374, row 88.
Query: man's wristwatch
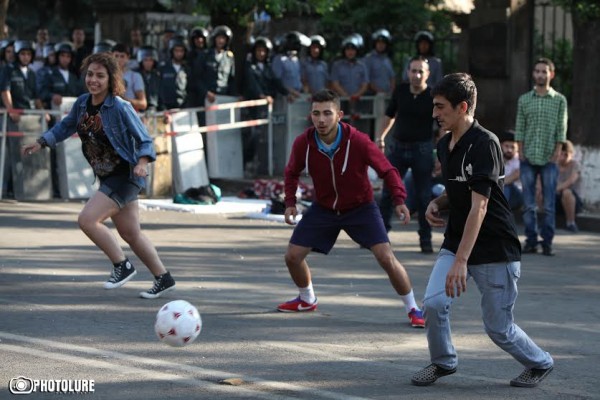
column 42, row 142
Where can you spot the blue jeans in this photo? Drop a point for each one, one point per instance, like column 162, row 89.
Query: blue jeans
column 549, row 175
column 513, row 195
column 497, row 284
column 419, row 158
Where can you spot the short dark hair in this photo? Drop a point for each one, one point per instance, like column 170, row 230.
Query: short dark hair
column 507, row 136
column 417, row 58
column 547, row 61
column 325, row 95
column 456, row 88
column 121, row 48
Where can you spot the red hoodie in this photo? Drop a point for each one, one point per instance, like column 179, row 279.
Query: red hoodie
column 342, row 182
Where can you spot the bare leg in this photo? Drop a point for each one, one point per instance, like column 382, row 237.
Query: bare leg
column 568, row 202
column 127, row 222
column 91, row 221
column 295, row 259
column 390, row 264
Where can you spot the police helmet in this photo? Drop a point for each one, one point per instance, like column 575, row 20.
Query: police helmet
column 48, row 50
column 147, row 51
column 181, row 34
column 221, row 30
column 424, row 35
column 198, row 32
column 4, row 43
column 263, row 41
column 176, row 42
column 21, row 45
column 381, row 34
column 319, row 40
column 295, row 40
column 104, row 46
column 355, row 40
column 63, row 47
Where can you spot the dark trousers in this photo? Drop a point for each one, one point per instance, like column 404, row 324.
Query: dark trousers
column 417, row 156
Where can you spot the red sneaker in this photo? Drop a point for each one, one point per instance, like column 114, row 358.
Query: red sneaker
column 416, row 318
column 297, row 305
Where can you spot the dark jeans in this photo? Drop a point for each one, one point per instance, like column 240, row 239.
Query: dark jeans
column 417, row 156
column 549, row 175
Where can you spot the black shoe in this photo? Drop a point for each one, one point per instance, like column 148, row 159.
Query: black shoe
column 530, row 248
column 162, row 284
column 120, row 275
column 426, row 248
column 430, row 374
column 547, row 250
column 530, row 377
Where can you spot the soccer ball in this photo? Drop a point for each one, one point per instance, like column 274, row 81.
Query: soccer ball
column 178, row 323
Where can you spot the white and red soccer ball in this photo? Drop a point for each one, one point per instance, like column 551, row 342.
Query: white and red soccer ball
column 178, row 323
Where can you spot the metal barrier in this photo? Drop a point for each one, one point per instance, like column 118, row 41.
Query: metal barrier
column 288, row 121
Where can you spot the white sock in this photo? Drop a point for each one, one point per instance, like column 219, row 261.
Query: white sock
column 307, row 294
column 409, row 301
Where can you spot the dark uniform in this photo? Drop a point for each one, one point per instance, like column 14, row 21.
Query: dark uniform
column 259, row 82
column 23, row 91
column 151, row 78
column 174, row 80
column 54, row 82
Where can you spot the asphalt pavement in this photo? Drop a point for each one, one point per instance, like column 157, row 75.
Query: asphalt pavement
column 58, row 323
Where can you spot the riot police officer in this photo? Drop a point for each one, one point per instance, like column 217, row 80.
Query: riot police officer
column 315, row 71
column 424, row 43
column 60, row 81
column 174, row 76
column 147, row 58
column 286, row 66
column 381, row 72
column 349, row 75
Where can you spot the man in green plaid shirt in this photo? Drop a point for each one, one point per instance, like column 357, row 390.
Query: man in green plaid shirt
column 541, row 128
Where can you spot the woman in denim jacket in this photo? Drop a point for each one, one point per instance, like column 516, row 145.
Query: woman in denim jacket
column 118, row 148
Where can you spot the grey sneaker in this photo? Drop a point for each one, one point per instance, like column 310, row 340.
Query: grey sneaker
column 530, row 377
column 163, row 284
column 120, row 275
column 430, row 374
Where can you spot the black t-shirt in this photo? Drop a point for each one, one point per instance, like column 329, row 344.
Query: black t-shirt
column 476, row 164
column 414, row 122
column 97, row 149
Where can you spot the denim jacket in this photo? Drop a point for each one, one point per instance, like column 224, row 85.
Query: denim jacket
column 122, row 126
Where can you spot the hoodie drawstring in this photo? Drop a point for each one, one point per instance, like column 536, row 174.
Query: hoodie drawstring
column 346, row 158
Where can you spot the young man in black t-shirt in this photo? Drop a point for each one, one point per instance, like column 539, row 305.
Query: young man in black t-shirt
column 480, row 240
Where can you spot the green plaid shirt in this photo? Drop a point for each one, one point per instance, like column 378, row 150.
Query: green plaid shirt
column 541, row 123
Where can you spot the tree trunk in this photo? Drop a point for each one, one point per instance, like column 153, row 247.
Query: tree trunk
column 585, row 107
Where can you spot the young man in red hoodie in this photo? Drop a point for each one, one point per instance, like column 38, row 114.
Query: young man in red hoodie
column 337, row 157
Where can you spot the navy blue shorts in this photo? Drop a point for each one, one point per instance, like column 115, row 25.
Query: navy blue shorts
column 320, row 227
column 120, row 189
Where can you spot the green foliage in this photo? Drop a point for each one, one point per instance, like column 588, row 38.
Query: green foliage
column 583, row 10
column 561, row 54
column 241, row 11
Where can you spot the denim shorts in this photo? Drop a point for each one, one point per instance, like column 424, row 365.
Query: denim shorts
column 120, row 189
column 320, row 227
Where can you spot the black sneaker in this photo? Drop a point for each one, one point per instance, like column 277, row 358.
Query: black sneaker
column 430, row 374
column 426, row 247
column 547, row 250
column 120, row 275
column 530, row 248
column 530, row 377
column 162, row 284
